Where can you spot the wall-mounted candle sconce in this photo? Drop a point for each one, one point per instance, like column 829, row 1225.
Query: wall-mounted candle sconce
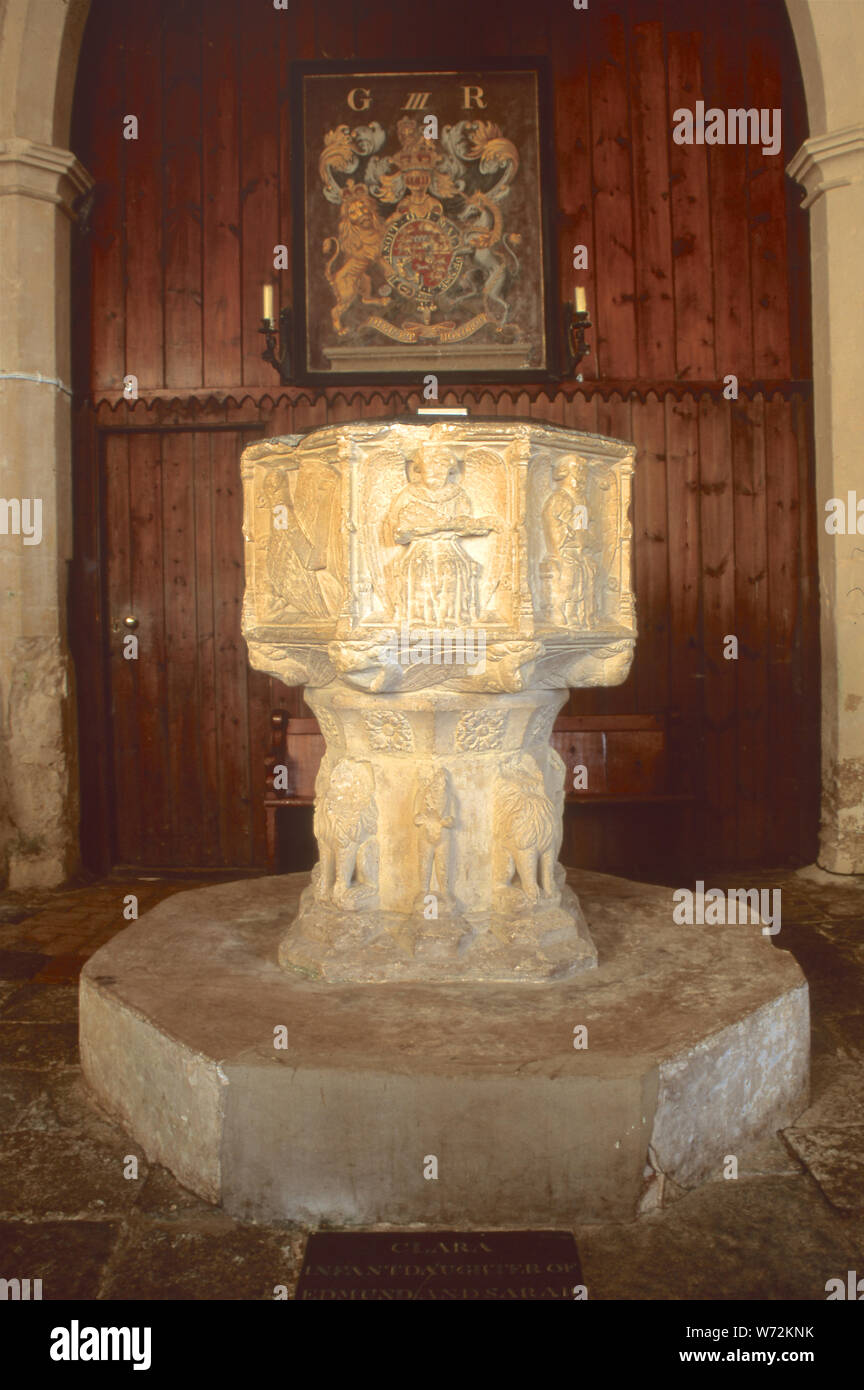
column 278, row 350
column 576, row 321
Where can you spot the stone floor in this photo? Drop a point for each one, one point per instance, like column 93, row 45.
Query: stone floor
column 79, row 1212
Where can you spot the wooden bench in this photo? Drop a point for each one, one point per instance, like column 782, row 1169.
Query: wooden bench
column 624, row 756
column 298, row 746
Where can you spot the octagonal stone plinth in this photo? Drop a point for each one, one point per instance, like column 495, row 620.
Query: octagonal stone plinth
column 697, row 1044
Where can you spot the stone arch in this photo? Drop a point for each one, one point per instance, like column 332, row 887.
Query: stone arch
column 39, row 45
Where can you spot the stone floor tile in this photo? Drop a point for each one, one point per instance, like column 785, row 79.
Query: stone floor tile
column 52, row 1175
column 219, row 1259
column 848, row 1030
column 63, row 969
column 824, row 1044
column 18, row 1090
column 14, row 938
column 836, row 1095
column 11, row 913
column 834, row 1157
column 162, row 1197
column 68, row 1256
column 834, row 980
column 8, row 989
column 62, row 1101
column 849, row 930
column 764, row 1238
column 38, row 1044
column 42, row 1003
column 769, row 1158
column 20, row 965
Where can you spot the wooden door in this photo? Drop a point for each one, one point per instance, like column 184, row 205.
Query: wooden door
column 189, row 718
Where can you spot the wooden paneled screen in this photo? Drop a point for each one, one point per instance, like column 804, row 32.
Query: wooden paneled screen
column 698, row 270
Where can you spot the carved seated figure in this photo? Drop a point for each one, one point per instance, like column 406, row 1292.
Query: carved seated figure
column 436, row 580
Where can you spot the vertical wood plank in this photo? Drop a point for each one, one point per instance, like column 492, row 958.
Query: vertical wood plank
column 651, row 555
column 751, row 624
column 725, row 87
column 89, row 643
column 231, row 655
column 718, row 608
column 151, row 786
column 529, row 29
column 767, row 189
column 221, row 201
column 373, row 25
column 182, row 693
column 296, row 35
column 259, row 177
column 143, row 204
column 691, row 217
column 411, row 41
column 206, row 710
column 686, row 662
column 334, row 30
column 807, row 664
column 568, row 54
column 125, row 751
column 784, row 598
column 615, row 333
column 615, row 418
column 105, row 129
column 655, row 316
column 182, row 193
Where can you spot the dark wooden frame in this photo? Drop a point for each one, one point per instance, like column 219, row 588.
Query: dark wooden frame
column 552, row 309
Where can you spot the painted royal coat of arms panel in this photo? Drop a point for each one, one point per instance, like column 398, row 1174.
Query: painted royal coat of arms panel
column 423, row 245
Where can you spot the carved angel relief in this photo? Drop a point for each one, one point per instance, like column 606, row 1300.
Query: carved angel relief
column 302, row 545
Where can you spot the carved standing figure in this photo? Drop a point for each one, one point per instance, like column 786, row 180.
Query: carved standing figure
column 434, row 814
column 345, row 822
column 569, row 570
column 525, row 828
column 436, row 581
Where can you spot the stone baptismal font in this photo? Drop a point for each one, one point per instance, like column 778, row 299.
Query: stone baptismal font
column 296, row 1047
column 437, row 588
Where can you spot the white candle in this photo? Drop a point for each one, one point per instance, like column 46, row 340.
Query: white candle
column 267, row 303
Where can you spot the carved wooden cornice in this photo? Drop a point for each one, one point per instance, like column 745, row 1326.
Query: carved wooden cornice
column 402, row 399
